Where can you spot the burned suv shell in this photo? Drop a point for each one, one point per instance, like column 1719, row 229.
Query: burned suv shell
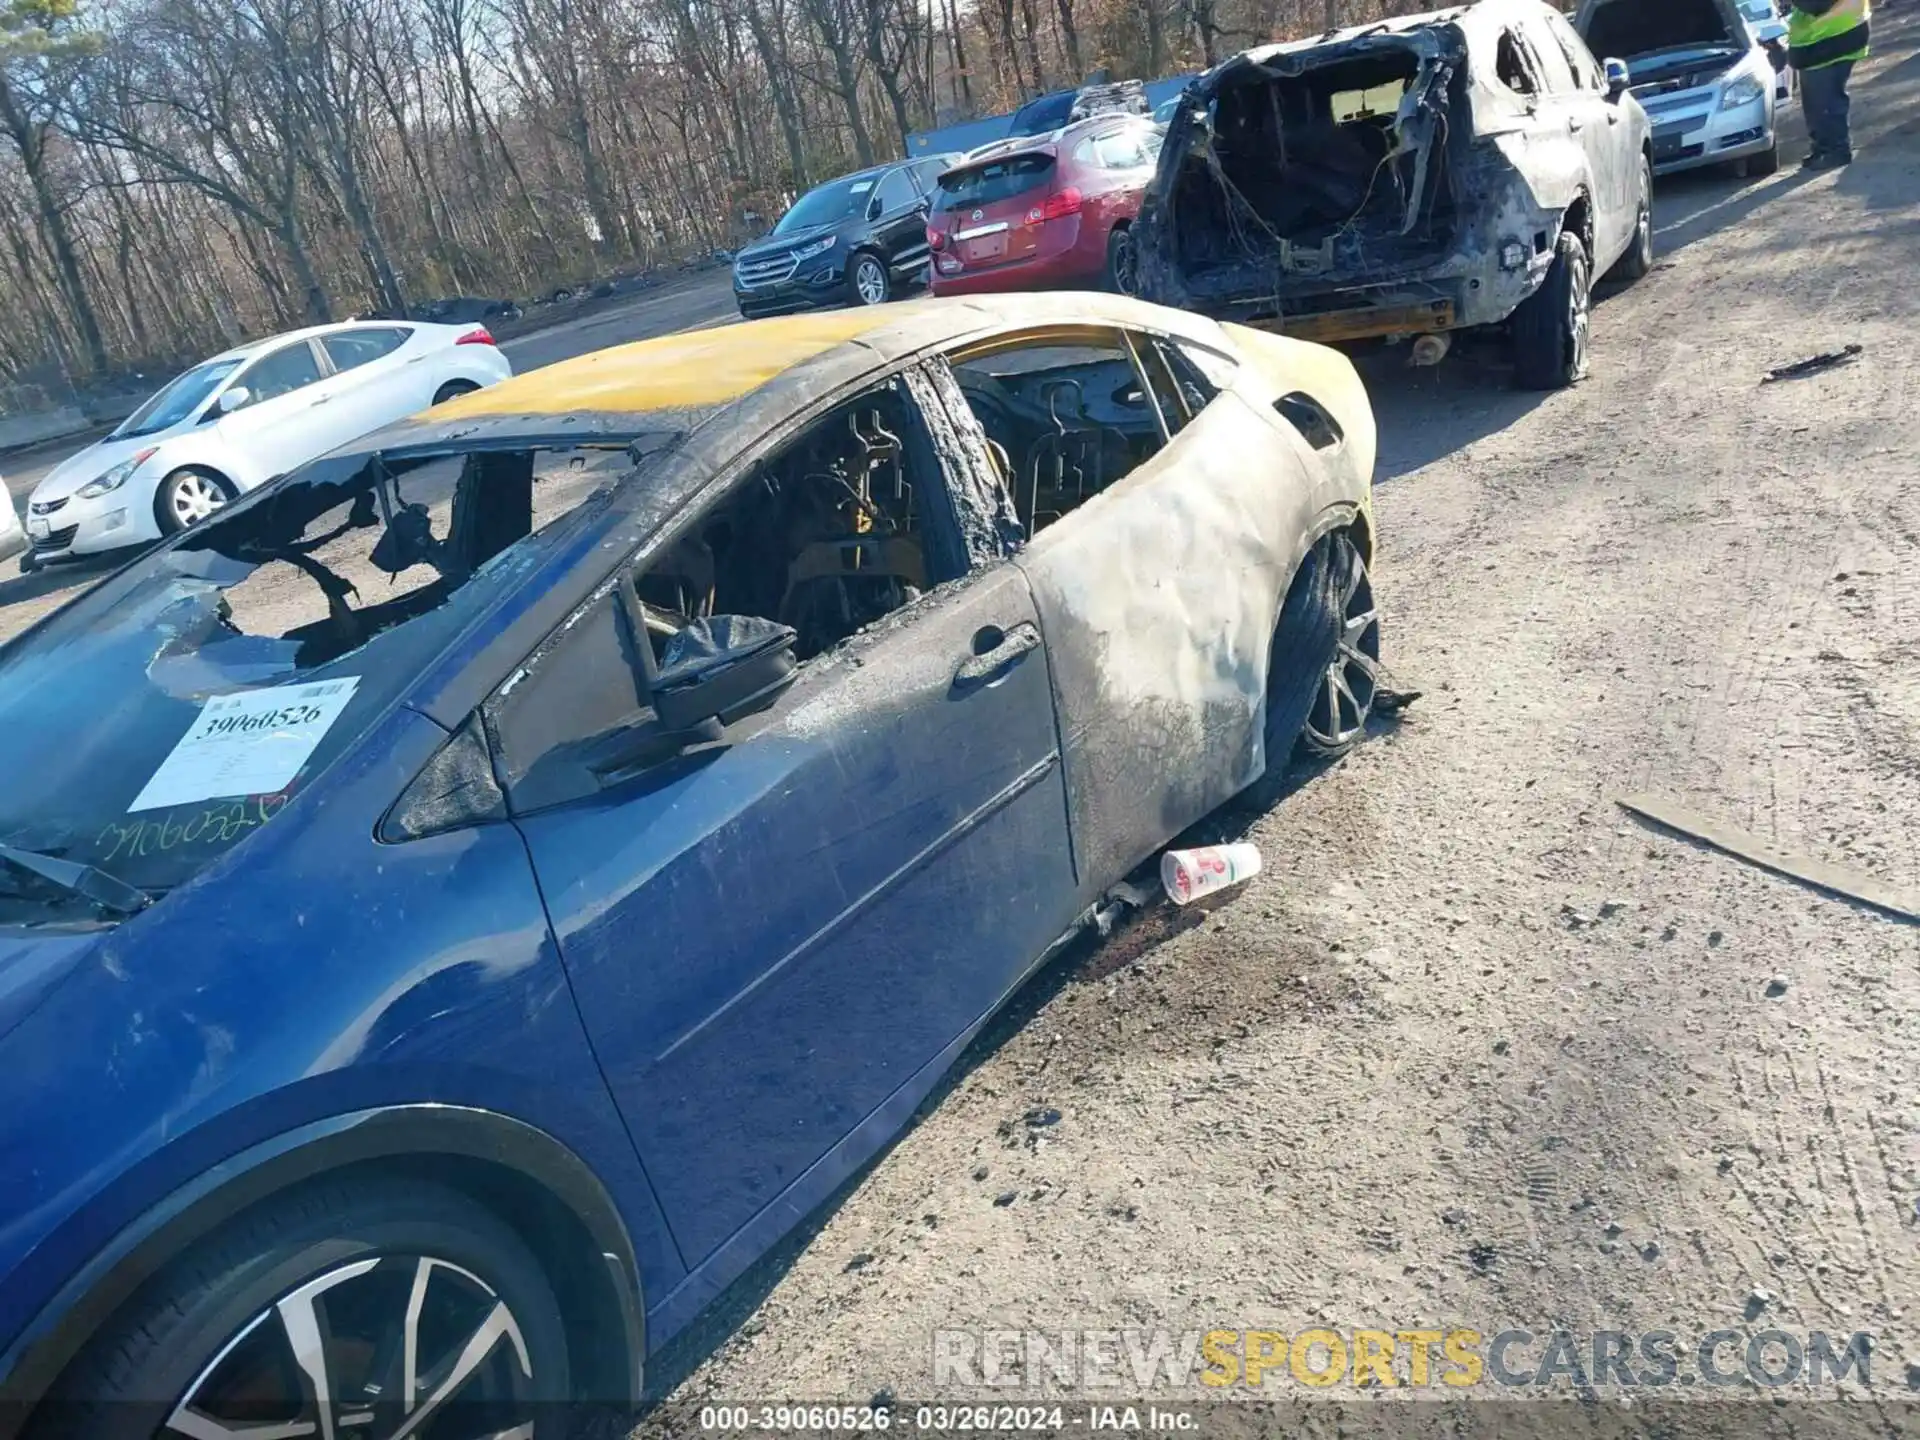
column 1403, row 178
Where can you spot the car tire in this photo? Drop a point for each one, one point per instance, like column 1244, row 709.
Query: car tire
column 1550, row 327
column 187, row 496
column 452, row 389
column 1638, row 259
column 1322, row 664
column 868, row 282
column 341, row 1271
column 1123, row 262
column 1767, row 162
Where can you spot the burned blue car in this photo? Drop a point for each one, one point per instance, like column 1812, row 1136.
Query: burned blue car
column 463, row 903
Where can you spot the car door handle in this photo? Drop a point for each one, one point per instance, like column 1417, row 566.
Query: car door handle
column 995, row 651
column 1575, row 124
column 320, row 400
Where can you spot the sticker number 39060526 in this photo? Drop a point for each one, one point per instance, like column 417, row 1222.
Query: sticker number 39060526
column 252, row 743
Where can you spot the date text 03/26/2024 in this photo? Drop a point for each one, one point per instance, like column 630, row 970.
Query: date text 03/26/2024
column 942, row 1419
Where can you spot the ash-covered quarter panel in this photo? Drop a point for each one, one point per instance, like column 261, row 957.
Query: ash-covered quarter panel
column 1158, row 599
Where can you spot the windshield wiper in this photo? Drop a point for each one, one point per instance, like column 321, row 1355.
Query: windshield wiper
column 89, row 882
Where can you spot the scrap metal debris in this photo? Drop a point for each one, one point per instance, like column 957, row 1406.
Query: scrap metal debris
column 1813, row 364
column 1833, row 879
column 1392, row 702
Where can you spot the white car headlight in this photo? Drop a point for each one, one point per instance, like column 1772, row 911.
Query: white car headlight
column 1743, row 90
column 116, row 477
column 818, row 247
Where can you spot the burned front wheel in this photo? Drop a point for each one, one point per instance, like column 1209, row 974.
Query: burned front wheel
column 1550, row 327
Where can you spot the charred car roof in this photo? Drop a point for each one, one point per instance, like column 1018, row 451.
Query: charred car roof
column 699, row 380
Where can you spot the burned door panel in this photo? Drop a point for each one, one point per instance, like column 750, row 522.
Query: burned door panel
column 769, row 945
column 1158, row 599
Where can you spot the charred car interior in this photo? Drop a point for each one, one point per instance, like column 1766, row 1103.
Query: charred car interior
column 846, row 523
column 1066, row 418
column 345, row 578
column 1311, row 169
column 825, row 537
column 367, row 545
column 836, row 529
column 1404, row 180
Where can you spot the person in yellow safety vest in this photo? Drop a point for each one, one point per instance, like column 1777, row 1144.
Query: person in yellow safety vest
column 1824, row 39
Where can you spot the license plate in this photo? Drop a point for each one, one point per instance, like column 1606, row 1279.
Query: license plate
column 39, row 529
column 1666, row 146
column 987, row 247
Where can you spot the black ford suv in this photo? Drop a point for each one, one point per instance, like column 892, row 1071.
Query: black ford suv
column 858, row 240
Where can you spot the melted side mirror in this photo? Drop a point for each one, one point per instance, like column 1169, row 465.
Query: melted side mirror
column 722, row 669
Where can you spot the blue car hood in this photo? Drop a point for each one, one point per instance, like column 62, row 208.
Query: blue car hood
column 33, row 962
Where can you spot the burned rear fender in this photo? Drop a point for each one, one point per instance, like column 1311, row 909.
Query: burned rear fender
column 1526, row 184
column 1281, row 365
column 1158, row 600
column 1157, row 276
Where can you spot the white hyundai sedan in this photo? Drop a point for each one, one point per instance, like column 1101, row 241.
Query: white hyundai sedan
column 13, row 535
column 238, row 420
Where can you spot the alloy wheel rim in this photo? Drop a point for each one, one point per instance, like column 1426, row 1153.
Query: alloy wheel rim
column 1577, row 317
column 403, row 1347
column 1344, row 697
column 1644, row 224
column 195, row 498
column 871, row 282
column 1123, row 264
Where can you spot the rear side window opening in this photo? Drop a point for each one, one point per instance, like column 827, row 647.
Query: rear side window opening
column 1068, row 414
column 994, row 181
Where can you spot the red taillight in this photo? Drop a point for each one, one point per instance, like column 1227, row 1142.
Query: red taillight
column 936, row 239
column 1057, row 207
column 479, row 335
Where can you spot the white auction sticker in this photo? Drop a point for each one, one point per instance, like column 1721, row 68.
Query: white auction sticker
column 253, row 743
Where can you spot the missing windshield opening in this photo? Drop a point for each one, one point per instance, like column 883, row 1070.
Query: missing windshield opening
column 333, row 566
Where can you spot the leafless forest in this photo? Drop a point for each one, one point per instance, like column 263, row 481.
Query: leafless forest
column 178, row 174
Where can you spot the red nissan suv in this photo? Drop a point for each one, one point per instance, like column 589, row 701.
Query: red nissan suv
column 1044, row 211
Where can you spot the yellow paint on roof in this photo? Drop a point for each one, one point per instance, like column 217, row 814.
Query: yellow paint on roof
column 696, row 368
